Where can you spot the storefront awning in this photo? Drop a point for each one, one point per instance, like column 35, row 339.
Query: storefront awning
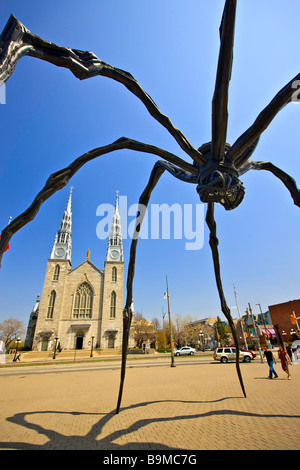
column 268, row 332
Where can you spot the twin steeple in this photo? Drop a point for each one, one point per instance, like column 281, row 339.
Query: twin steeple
column 115, row 244
column 62, row 246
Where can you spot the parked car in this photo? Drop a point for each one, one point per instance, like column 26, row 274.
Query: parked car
column 185, row 350
column 229, row 354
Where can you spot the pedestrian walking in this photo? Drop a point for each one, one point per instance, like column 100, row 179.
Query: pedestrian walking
column 285, row 359
column 270, row 360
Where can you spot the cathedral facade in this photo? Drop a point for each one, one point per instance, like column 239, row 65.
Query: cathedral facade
column 83, row 305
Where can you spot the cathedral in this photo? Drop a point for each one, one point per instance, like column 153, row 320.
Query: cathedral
column 83, row 305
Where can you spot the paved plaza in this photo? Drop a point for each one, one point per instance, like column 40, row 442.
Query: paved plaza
column 189, row 407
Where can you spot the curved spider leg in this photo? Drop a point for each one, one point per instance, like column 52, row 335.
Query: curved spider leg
column 220, row 98
column 59, row 179
column 287, row 180
column 157, row 171
column 283, row 97
column 213, row 241
column 16, row 41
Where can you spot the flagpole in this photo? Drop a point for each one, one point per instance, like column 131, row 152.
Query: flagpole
column 170, row 324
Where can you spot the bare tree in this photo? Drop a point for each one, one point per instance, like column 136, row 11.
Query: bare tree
column 10, row 330
column 156, row 323
column 144, row 331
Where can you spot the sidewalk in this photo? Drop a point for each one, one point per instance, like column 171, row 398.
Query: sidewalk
column 189, row 407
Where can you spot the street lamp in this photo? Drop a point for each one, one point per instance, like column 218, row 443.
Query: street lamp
column 170, row 325
column 92, row 338
column 54, row 354
column 163, row 316
column 16, row 351
column 201, row 337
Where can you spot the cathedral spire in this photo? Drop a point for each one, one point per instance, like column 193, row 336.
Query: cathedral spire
column 63, row 240
column 115, row 244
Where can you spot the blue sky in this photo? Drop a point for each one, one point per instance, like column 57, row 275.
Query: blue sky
column 171, row 48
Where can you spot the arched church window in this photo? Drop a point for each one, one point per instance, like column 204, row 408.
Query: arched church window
column 114, row 274
column 56, row 273
column 113, row 301
column 83, row 301
column 51, row 304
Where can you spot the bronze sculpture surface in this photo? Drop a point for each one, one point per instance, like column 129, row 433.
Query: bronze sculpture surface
column 215, row 168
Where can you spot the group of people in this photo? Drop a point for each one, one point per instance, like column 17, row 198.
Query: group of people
column 284, row 359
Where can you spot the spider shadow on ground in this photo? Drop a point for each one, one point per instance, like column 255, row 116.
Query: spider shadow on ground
column 91, row 441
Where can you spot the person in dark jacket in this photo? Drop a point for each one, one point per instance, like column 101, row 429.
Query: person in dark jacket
column 270, row 360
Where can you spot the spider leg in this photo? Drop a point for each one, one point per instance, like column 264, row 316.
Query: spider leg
column 220, row 98
column 159, row 168
column 16, row 41
column 156, row 173
column 283, row 97
column 213, row 241
column 287, row 180
column 60, row 179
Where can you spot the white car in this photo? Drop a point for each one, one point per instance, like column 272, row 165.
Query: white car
column 184, row 350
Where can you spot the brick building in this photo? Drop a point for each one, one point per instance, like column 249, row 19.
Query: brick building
column 284, row 318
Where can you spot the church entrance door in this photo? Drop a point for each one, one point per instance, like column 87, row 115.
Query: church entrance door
column 79, row 342
column 111, row 342
column 44, row 344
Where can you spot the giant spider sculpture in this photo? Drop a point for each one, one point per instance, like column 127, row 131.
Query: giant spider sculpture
column 216, row 166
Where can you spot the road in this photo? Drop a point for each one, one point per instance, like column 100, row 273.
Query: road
column 111, row 364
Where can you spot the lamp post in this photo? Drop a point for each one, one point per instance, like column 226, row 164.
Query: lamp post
column 54, row 354
column 163, row 316
column 201, row 338
column 218, row 336
column 170, row 325
column 92, row 338
column 16, row 351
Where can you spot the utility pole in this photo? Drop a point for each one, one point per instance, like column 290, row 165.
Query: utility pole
column 266, row 329
column 238, row 309
column 255, row 332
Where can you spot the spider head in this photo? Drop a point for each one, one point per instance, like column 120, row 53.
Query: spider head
column 218, row 182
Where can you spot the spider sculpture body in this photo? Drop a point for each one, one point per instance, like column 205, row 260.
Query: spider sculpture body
column 216, row 166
